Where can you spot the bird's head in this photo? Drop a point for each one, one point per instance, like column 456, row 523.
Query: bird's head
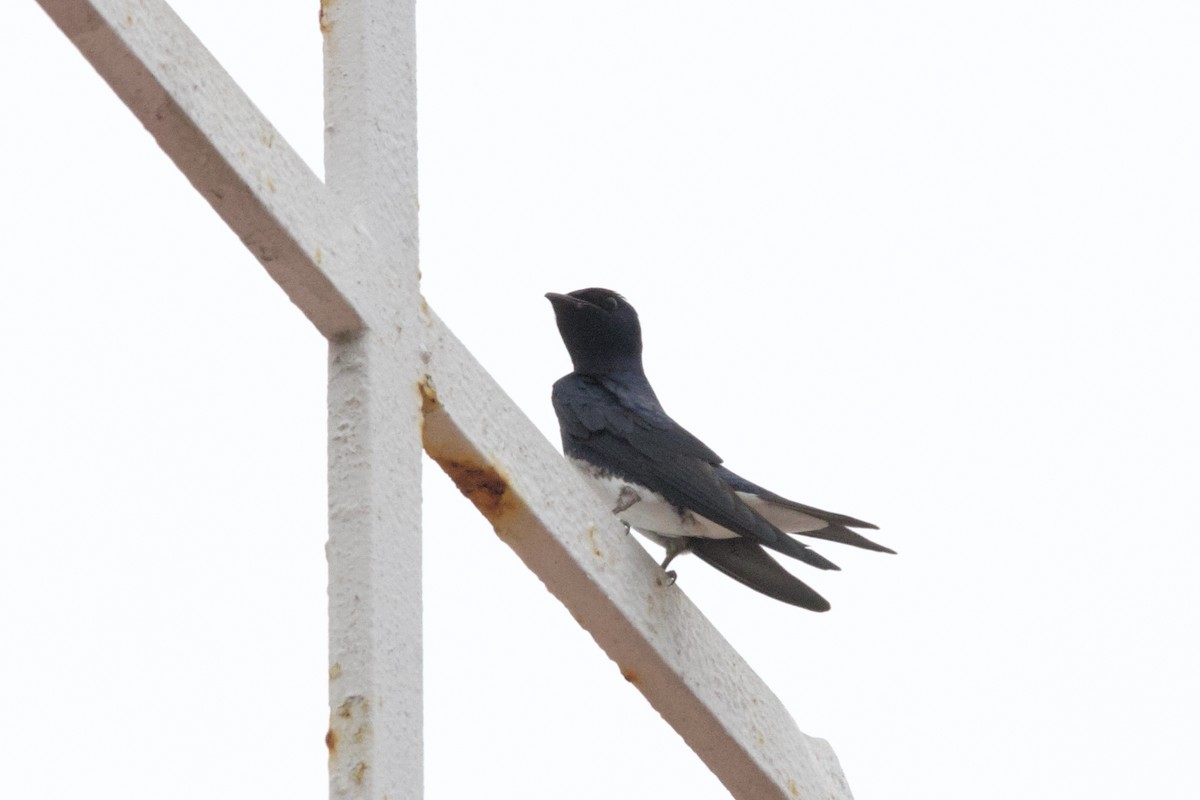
column 600, row 329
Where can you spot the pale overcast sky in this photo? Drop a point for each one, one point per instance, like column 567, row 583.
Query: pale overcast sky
column 934, row 264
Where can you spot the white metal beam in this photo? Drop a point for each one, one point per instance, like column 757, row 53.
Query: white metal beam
column 375, row 642
column 663, row 645
column 223, row 144
column 346, row 256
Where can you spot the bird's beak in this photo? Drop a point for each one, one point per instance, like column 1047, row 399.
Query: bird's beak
column 560, row 301
column 565, row 301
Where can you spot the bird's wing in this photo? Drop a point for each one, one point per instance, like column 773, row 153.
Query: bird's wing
column 793, row 517
column 643, row 445
column 747, row 562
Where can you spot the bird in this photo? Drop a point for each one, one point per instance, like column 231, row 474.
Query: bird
column 660, row 479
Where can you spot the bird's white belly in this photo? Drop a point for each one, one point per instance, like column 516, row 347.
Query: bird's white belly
column 647, row 511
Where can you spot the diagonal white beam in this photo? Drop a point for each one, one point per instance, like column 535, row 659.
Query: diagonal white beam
column 228, row 150
column 662, row 644
column 357, row 282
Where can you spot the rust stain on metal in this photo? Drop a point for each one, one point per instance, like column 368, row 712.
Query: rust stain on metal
column 429, row 398
column 351, row 704
column 323, row 19
column 482, row 484
column 359, row 770
column 591, row 534
column 629, row 675
column 335, row 671
column 793, row 789
column 349, row 722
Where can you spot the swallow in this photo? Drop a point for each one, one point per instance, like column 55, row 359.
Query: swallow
column 661, row 480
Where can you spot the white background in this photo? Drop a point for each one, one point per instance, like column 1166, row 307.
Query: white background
column 930, row 264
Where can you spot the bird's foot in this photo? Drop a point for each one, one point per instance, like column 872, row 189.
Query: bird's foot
column 674, row 548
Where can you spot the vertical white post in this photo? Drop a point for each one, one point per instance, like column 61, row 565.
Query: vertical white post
column 375, row 735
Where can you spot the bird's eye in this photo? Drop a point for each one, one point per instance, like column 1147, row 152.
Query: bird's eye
column 610, row 303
